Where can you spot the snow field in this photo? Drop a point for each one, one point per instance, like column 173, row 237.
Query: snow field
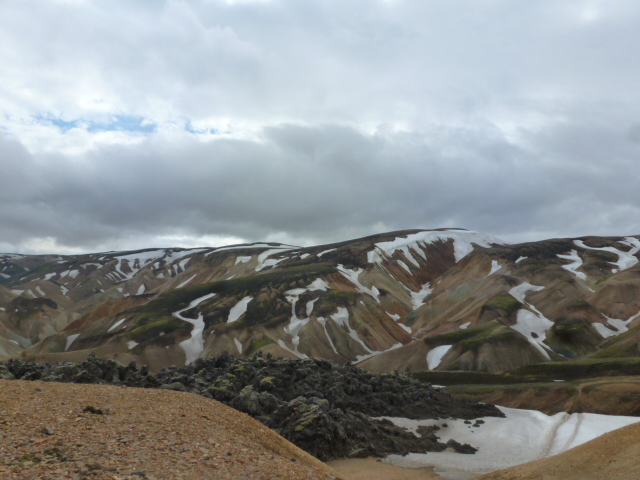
column 194, row 345
column 238, row 309
column 625, row 259
column 523, row 436
column 576, row 263
column 434, row 357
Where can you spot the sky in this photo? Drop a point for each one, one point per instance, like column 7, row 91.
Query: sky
column 147, row 123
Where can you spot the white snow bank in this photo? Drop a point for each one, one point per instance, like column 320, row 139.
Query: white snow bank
column 242, row 259
column 464, row 326
column 434, row 357
column 625, row 259
column 418, row 298
column 352, row 276
column 576, row 263
column 194, row 345
column 187, row 281
column 116, row 325
column 523, row 436
column 534, row 327
column 618, row 326
column 70, row 340
column 463, row 244
column 238, row 309
column 520, row 259
column 521, row 290
column 495, row 266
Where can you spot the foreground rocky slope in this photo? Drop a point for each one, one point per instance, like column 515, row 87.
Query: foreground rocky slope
column 410, row 301
column 70, row 431
column 322, row 407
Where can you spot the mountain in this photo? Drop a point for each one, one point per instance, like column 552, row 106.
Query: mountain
column 410, row 300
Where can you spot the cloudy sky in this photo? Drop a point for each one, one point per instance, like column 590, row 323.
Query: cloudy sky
column 144, row 123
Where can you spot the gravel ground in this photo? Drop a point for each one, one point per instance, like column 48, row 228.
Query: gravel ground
column 62, row 431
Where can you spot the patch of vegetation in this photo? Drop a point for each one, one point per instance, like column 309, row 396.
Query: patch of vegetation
column 456, row 336
column 151, row 328
column 503, row 304
column 258, row 344
column 582, row 368
column 573, row 337
column 332, row 299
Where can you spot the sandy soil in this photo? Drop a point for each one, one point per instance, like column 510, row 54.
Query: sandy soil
column 59, row 431
column 374, row 469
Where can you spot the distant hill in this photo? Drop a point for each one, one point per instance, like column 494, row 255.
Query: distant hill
column 411, row 300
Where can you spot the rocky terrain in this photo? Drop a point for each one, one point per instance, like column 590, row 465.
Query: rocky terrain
column 414, row 300
column 323, row 407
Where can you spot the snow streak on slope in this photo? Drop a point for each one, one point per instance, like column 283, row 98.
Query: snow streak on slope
column 625, row 259
column 434, row 357
column 530, row 321
column 463, row 242
column 523, row 436
column 352, row 276
column 620, row 326
column 576, row 263
column 193, row 346
column 419, row 298
column 296, row 324
column 495, row 266
column 238, row 309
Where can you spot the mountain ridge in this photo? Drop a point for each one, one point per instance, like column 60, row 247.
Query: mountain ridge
column 446, row 299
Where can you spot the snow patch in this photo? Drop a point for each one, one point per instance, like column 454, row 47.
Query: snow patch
column 521, row 291
column 238, row 309
column 326, row 251
column 132, row 344
column 495, row 266
column 194, row 345
column 464, row 326
column 238, row 345
column 619, row 326
column 625, row 259
column 243, row 260
column 352, row 276
column 70, row 340
column 418, row 298
column 187, row 281
column 115, row 325
column 521, row 437
column 534, row 327
column 576, row 263
column 141, row 289
column 434, row 357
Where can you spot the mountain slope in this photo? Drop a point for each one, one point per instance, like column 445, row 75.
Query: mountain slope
column 408, row 300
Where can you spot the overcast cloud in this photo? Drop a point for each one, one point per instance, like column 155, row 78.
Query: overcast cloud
column 133, row 124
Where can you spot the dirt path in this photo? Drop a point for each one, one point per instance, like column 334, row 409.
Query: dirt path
column 374, row 469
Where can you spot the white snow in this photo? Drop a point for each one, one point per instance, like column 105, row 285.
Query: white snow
column 325, row 251
column 395, row 316
column 238, row 309
column 17, row 292
column 142, row 289
column 418, row 298
column 434, row 357
column 625, row 259
column 323, row 321
column 131, row 344
column 187, row 281
column 619, row 326
column 310, row 306
column 520, row 259
column 576, row 263
column 465, row 326
column 249, row 246
column 264, row 260
column 48, row 276
column 238, row 345
column 297, row 354
column 70, row 340
column 352, row 276
column 534, row 327
column 341, row 317
column 115, row 325
column 242, row 259
column 495, row 266
column 521, row 290
column 4, row 275
column 64, row 290
column 404, row 265
column 523, row 436
column 304, row 255
column 194, row 345
column 463, row 244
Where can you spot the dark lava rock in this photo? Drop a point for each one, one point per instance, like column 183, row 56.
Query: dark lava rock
column 323, row 407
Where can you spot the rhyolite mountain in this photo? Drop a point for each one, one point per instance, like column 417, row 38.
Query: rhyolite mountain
column 409, row 300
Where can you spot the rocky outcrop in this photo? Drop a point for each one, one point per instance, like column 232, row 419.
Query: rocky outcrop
column 325, row 408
